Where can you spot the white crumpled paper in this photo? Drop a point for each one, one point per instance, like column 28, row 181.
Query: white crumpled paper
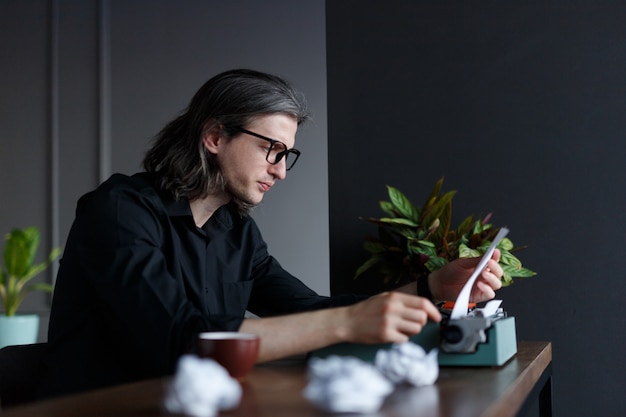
column 201, row 387
column 346, row 385
column 408, row 363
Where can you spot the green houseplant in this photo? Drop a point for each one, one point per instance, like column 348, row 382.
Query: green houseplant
column 417, row 240
column 15, row 283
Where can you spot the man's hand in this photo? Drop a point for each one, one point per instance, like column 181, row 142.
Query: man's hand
column 446, row 283
column 390, row 317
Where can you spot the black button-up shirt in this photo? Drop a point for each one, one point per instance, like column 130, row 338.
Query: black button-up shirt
column 138, row 281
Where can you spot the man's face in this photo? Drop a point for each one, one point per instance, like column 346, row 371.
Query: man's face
column 246, row 170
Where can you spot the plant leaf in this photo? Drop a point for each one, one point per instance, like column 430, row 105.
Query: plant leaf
column 505, row 244
column 32, row 237
column 524, row 273
column 16, row 253
column 40, row 286
column 437, row 209
column 397, row 221
column 518, row 272
column 403, row 205
column 506, row 280
column 507, row 258
column 387, row 207
column 465, row 226
column 421, row 247
column 373, row 246
column 367, row 265
column 434, row 194
column 435, row 262
column 467, row 252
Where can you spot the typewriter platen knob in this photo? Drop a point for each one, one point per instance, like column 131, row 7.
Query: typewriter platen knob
column 463, row 335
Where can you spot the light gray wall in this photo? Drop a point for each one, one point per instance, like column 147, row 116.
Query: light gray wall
column 86, row 84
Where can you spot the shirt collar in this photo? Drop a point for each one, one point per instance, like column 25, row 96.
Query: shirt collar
column 222, row 218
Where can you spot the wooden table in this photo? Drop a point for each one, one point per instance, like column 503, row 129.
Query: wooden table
column 275, row 390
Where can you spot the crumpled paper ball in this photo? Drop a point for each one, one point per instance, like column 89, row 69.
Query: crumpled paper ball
column 201, row 387
column 346, row 385
column 408, row 363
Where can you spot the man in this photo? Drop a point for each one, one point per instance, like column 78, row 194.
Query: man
column 155, row 258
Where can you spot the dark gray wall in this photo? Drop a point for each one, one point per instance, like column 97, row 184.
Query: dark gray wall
column 86, row 84
column 520, row 105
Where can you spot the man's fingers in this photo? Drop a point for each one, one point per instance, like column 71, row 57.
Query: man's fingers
column 484, row 292
column 492, row 276
column 424, row 305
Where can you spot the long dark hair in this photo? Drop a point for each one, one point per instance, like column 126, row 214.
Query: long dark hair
column 179, row 161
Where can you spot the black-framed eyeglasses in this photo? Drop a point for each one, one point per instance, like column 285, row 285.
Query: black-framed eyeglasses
column 276, row 151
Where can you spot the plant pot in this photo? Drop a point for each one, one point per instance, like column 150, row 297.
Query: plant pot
column 21, row 329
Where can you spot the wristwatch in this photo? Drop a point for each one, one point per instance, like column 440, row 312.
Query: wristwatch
column 423, row 289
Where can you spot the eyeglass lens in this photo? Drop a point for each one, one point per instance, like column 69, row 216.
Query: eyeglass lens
column 276, row 151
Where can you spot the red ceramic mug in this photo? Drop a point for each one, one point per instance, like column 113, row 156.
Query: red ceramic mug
column 237, row 352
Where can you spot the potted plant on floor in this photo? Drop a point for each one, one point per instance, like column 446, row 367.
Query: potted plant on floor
column 15, row 283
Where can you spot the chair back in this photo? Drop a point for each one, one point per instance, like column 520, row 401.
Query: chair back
column 19, row 373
